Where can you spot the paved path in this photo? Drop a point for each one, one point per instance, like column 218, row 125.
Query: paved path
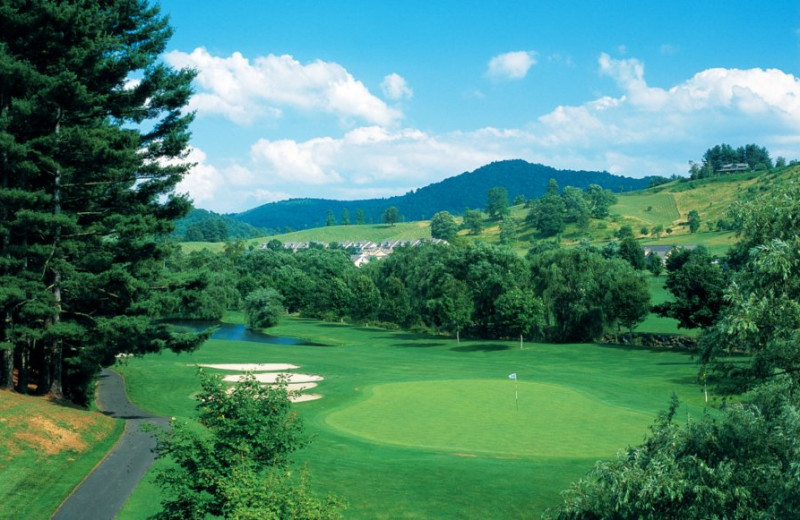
column 105, row 490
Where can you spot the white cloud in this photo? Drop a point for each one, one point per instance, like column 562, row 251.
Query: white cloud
column 394, row 87
column 511, row 65
column 243, row 90
column 640, row 130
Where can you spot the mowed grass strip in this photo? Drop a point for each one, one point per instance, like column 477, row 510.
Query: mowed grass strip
column 493, row 418
column 47, row 450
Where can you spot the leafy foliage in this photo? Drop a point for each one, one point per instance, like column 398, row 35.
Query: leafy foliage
column 697, row 283
column 234, row 464
column 263, row 308
column 744, row 465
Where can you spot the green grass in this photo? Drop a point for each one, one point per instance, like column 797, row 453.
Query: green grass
column 47, row 450
column 416, row 426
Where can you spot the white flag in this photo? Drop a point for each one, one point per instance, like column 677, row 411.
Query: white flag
column 513, row 376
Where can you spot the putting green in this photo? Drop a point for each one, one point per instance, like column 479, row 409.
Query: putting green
column 482, row 417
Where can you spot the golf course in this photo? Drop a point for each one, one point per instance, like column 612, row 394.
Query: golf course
column 418, row 426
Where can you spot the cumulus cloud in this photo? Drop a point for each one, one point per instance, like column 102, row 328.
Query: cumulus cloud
column 638, row 130
column 511, row 65
column 243, row 90
column 394, row 87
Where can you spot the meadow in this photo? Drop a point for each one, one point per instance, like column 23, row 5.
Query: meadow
column 420, row 426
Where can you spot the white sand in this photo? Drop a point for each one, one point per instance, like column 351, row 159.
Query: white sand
column 271, row 377
column 253, row 367
column 305, row 397
column 299, row 387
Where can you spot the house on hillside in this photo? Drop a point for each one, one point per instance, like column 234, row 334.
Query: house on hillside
column 664, row 251
column 734, row 167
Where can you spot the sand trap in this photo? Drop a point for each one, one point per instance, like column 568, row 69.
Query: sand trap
column 271, row 377
column 299, row 387
column 305, row 397
column 252, row 367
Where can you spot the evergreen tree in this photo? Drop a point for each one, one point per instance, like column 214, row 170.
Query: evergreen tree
column 92, row 136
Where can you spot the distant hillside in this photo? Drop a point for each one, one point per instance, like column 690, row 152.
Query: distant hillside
column 206, row 226
column 454, row 194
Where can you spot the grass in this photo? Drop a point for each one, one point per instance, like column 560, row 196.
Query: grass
column 417, row 426
column 47, row 450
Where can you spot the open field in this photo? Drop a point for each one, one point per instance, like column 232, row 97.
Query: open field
column 414, row 426
column 47, row 449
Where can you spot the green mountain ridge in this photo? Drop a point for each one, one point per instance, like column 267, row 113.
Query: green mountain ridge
column 454, row 194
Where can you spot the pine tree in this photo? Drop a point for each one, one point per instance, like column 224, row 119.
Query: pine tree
column 92, row 136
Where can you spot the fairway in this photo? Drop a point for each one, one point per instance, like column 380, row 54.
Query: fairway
column 484, row 417
column 420, row 426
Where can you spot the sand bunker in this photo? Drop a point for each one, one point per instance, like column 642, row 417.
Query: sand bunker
column 271, row 377
column 252, row 367
column 305, row 397
column 299, row 387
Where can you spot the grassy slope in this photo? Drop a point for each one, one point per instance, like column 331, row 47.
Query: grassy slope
column 47, row 450
column 667, row 205
column 464, row 466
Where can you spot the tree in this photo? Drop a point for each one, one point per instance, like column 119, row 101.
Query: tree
column 657, row 230
column 443, row 226
column 238, row 457
column 519, row 313
column 693, row 221
column 263, row 308
column 473, row 221
column 654, row 263
column 345, row 217
column 548, row 215
column 599, row 200
column 330, row 219
column 391, row 216
column 580, row 289
column 632, row 252
column 360, row 220
column 743, row 464
column 697, row 284
column 508, row 231
column 453, row 308
column 577, row 209
column 88, row 162
column 762, row 315
column 497, row 205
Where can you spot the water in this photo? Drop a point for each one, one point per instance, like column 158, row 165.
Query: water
column 234, row 332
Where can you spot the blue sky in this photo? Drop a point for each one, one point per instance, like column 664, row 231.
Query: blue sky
column 361, row 99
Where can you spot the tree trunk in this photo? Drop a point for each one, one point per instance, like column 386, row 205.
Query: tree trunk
column 53, row 358
column 458, row 337
column 520, row 341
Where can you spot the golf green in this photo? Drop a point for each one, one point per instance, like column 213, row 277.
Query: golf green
column 490, row 417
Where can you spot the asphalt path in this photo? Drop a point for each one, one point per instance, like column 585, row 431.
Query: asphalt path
column 103, row 493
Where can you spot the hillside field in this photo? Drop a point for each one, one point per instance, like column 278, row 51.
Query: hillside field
column 47, row 450
column 666, row 205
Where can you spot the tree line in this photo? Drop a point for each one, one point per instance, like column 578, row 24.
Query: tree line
column 92, row 139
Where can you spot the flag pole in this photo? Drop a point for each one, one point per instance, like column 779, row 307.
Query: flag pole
column 516, row 389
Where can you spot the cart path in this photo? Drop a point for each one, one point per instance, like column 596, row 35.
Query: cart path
column 103, row 493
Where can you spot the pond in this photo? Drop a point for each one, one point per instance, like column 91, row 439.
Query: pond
column 235, row 332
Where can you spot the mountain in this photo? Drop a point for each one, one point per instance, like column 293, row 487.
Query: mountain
column 454, row 194
column 206, row 226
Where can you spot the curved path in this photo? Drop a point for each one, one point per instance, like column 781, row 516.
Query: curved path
column 103, row 493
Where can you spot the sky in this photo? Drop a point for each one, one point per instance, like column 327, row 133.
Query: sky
column 361, row 99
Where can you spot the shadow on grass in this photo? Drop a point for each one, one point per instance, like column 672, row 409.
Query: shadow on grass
column 481, row 347
column 417, row 344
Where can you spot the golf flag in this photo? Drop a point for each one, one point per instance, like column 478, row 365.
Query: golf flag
column 513, row 376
